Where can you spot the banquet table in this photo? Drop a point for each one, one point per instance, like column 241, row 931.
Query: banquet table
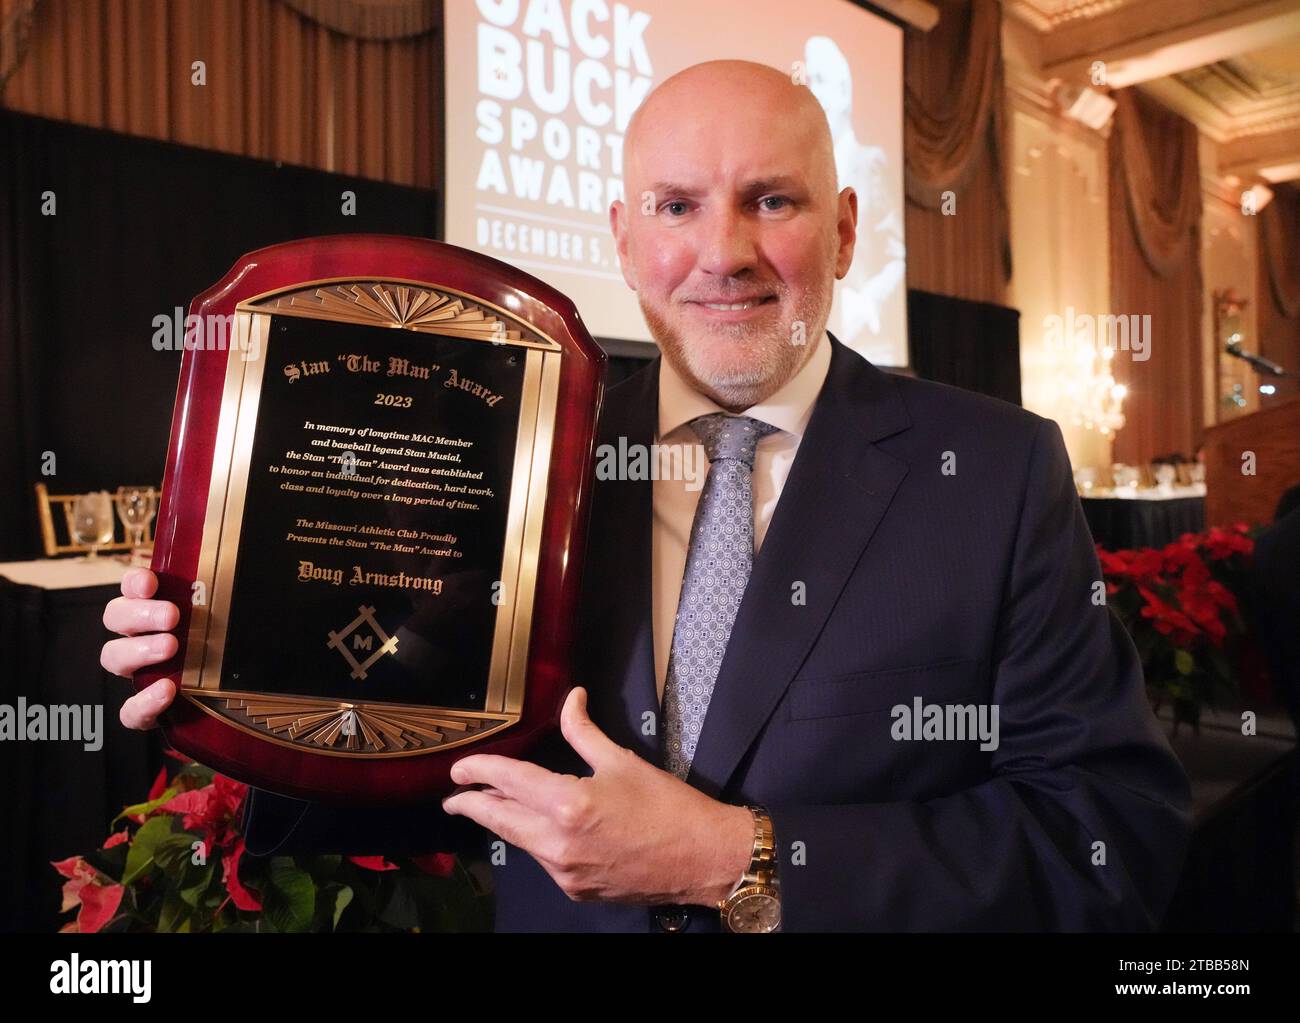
column 59, row 797
column 1143, row 518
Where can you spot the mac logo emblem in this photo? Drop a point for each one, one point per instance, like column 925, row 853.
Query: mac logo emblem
column 377, row 642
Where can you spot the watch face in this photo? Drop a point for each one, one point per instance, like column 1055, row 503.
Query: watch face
column 755, row 913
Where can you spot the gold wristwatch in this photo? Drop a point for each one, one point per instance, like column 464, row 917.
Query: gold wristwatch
column 754, row 905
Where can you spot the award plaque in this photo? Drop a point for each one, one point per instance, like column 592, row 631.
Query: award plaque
column 373, row 516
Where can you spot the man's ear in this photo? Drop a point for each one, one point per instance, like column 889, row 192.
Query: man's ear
column 847, row 229
column 618, row 228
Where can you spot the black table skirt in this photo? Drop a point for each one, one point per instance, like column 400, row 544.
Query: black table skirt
column 57, row 797
column 1126, row 524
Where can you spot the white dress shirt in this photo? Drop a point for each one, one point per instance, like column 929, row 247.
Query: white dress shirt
column 675, row 500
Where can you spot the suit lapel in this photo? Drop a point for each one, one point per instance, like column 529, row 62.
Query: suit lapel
column 618, row 600
column 838, row 489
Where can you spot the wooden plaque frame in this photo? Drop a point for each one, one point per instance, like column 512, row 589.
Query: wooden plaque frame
column 348, row 750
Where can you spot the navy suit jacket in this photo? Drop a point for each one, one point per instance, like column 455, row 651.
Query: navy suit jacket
column 928, row 544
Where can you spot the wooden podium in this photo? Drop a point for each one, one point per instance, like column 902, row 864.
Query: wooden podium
column 1273, row 434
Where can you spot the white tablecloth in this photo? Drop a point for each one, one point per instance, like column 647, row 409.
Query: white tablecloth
column 65, row 573
column 1145, row 493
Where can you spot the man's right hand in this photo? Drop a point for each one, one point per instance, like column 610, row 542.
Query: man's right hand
column 144, row 623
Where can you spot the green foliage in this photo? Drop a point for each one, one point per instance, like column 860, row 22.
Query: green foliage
column 175, row 860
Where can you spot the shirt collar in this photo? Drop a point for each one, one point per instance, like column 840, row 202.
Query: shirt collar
column 789, row 409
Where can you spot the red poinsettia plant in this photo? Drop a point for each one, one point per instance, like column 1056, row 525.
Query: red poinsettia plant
column 1183, row 606
column 178, row 863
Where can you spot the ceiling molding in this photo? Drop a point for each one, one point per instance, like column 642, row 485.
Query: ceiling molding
column 1273, row 157
column 1046, row 15
column 1139, row 40
column 1251, row 111
column 1232, row 67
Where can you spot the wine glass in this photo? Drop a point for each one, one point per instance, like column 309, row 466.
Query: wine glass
column 92, row 521
column 136, row 507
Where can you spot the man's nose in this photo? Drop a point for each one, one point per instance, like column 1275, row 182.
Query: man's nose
column 727, row 246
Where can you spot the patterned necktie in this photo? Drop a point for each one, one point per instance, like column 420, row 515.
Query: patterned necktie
column 718, row 564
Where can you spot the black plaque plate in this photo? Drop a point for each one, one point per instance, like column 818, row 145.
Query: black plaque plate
column 391, row 497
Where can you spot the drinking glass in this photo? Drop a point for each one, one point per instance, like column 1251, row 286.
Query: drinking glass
column 136, row 507
column 92, row 521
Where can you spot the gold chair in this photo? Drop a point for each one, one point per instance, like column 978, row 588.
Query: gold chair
column 50, row 537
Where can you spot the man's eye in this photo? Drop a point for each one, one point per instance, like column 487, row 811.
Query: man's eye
column 772, row 203
column 680, row 204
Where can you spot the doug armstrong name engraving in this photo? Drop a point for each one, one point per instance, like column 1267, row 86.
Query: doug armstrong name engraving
column 309, row 571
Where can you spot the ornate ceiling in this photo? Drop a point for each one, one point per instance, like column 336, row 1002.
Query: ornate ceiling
column 1231, row 66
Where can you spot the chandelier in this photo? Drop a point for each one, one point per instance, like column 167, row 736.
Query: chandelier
column 1088, row 389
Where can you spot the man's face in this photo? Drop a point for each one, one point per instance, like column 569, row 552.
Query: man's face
column 732, row 235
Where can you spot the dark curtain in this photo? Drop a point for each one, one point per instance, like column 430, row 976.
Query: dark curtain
column 139, row 228
column 58, row 797
column 1155, row 270
column 975, row 345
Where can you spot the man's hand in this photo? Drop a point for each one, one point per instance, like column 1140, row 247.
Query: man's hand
column 630, row 833
column 144, row 622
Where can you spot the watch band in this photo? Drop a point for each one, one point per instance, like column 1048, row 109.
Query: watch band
column 762, row 861
column 761, row 873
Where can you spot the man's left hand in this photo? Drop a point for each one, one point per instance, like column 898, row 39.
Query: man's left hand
column 629, row 833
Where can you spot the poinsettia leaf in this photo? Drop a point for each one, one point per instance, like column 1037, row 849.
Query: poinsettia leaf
column 140, row 858
column 196, row 775
column 1184, row 662
column 334, row 900
column 147, row 807
column 196, row 882
column 435, row 864
column 192, row 897
column 99, row 904
column 363, row 884
column 109, row 862
column 465, row 907
column 322, row 868
column 431, row 897
column 401, row 908
column 380, row 864
column 173, row 852
column 117, row 838
column 174, row 913
column 290, row 897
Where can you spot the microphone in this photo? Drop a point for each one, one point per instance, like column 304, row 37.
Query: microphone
column 1261, row 364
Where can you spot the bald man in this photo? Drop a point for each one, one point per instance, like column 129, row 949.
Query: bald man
column 859, row 680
